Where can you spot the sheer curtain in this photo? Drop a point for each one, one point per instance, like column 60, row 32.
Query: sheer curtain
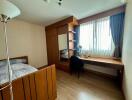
column 96, row 39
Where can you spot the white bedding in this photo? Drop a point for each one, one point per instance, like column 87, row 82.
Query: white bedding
column 19, row 70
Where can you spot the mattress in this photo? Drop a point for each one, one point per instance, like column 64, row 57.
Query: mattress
column 19, row 70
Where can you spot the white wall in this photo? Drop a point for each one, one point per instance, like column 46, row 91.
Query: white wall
column 127, row 52
column 25, row 39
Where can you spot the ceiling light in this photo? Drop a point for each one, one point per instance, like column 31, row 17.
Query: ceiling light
column 8, row 9
column 60, row 2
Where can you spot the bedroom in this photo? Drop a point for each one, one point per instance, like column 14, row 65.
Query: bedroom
column 38, row 36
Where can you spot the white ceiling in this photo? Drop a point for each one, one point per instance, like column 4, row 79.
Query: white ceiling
column 40, row 12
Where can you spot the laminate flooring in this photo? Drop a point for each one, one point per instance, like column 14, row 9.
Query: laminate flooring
column 87, row 87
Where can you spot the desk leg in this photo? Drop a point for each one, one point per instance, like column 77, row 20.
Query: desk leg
column 120, row 77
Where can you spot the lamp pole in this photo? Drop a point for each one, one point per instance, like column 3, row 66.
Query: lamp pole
column 4, row 20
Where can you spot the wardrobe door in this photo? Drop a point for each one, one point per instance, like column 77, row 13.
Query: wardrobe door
column 52, row 46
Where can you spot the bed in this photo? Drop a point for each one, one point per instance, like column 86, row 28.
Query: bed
column 29, row 83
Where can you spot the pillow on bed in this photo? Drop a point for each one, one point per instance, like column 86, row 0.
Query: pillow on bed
column 16, row 61
column 13, row 61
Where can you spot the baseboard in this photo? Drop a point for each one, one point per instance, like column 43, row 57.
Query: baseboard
column 62, row 69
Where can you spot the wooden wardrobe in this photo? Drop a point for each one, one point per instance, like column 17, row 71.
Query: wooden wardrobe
column 52, row 31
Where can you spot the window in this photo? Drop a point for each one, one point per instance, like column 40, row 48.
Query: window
column 96, row 39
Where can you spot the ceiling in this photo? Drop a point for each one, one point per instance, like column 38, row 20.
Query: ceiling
column 40, row 12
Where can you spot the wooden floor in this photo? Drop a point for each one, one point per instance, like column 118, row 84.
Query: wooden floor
column 88, row 87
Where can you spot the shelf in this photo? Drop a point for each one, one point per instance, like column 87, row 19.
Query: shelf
column 73, row 32
column 72, row 49
column 72, row 40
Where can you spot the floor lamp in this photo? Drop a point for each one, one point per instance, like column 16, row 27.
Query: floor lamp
column 7, row 12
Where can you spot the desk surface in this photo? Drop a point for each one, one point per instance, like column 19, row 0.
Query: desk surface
column 102, row 60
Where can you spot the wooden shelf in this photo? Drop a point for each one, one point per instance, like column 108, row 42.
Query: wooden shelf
column 72, row 40
column 73, row 32
column 72, row 49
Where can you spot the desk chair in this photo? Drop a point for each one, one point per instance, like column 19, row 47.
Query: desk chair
column 76, row 65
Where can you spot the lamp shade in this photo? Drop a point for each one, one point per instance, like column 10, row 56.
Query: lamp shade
column 8, row 9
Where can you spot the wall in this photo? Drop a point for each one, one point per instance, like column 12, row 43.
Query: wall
column 104, row 70
column 127, row 52
column 25, row 39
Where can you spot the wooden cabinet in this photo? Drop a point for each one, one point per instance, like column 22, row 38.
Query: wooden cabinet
column 62, row 29
column 65, row 26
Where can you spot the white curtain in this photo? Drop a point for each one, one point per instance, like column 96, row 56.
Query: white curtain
column 96, row 39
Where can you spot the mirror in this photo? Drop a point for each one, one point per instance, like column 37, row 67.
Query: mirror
column 63, row 47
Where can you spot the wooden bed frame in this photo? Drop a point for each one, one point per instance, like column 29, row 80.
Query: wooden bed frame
column 40, row 85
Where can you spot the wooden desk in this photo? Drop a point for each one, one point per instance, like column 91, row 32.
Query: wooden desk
column 107, row 63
